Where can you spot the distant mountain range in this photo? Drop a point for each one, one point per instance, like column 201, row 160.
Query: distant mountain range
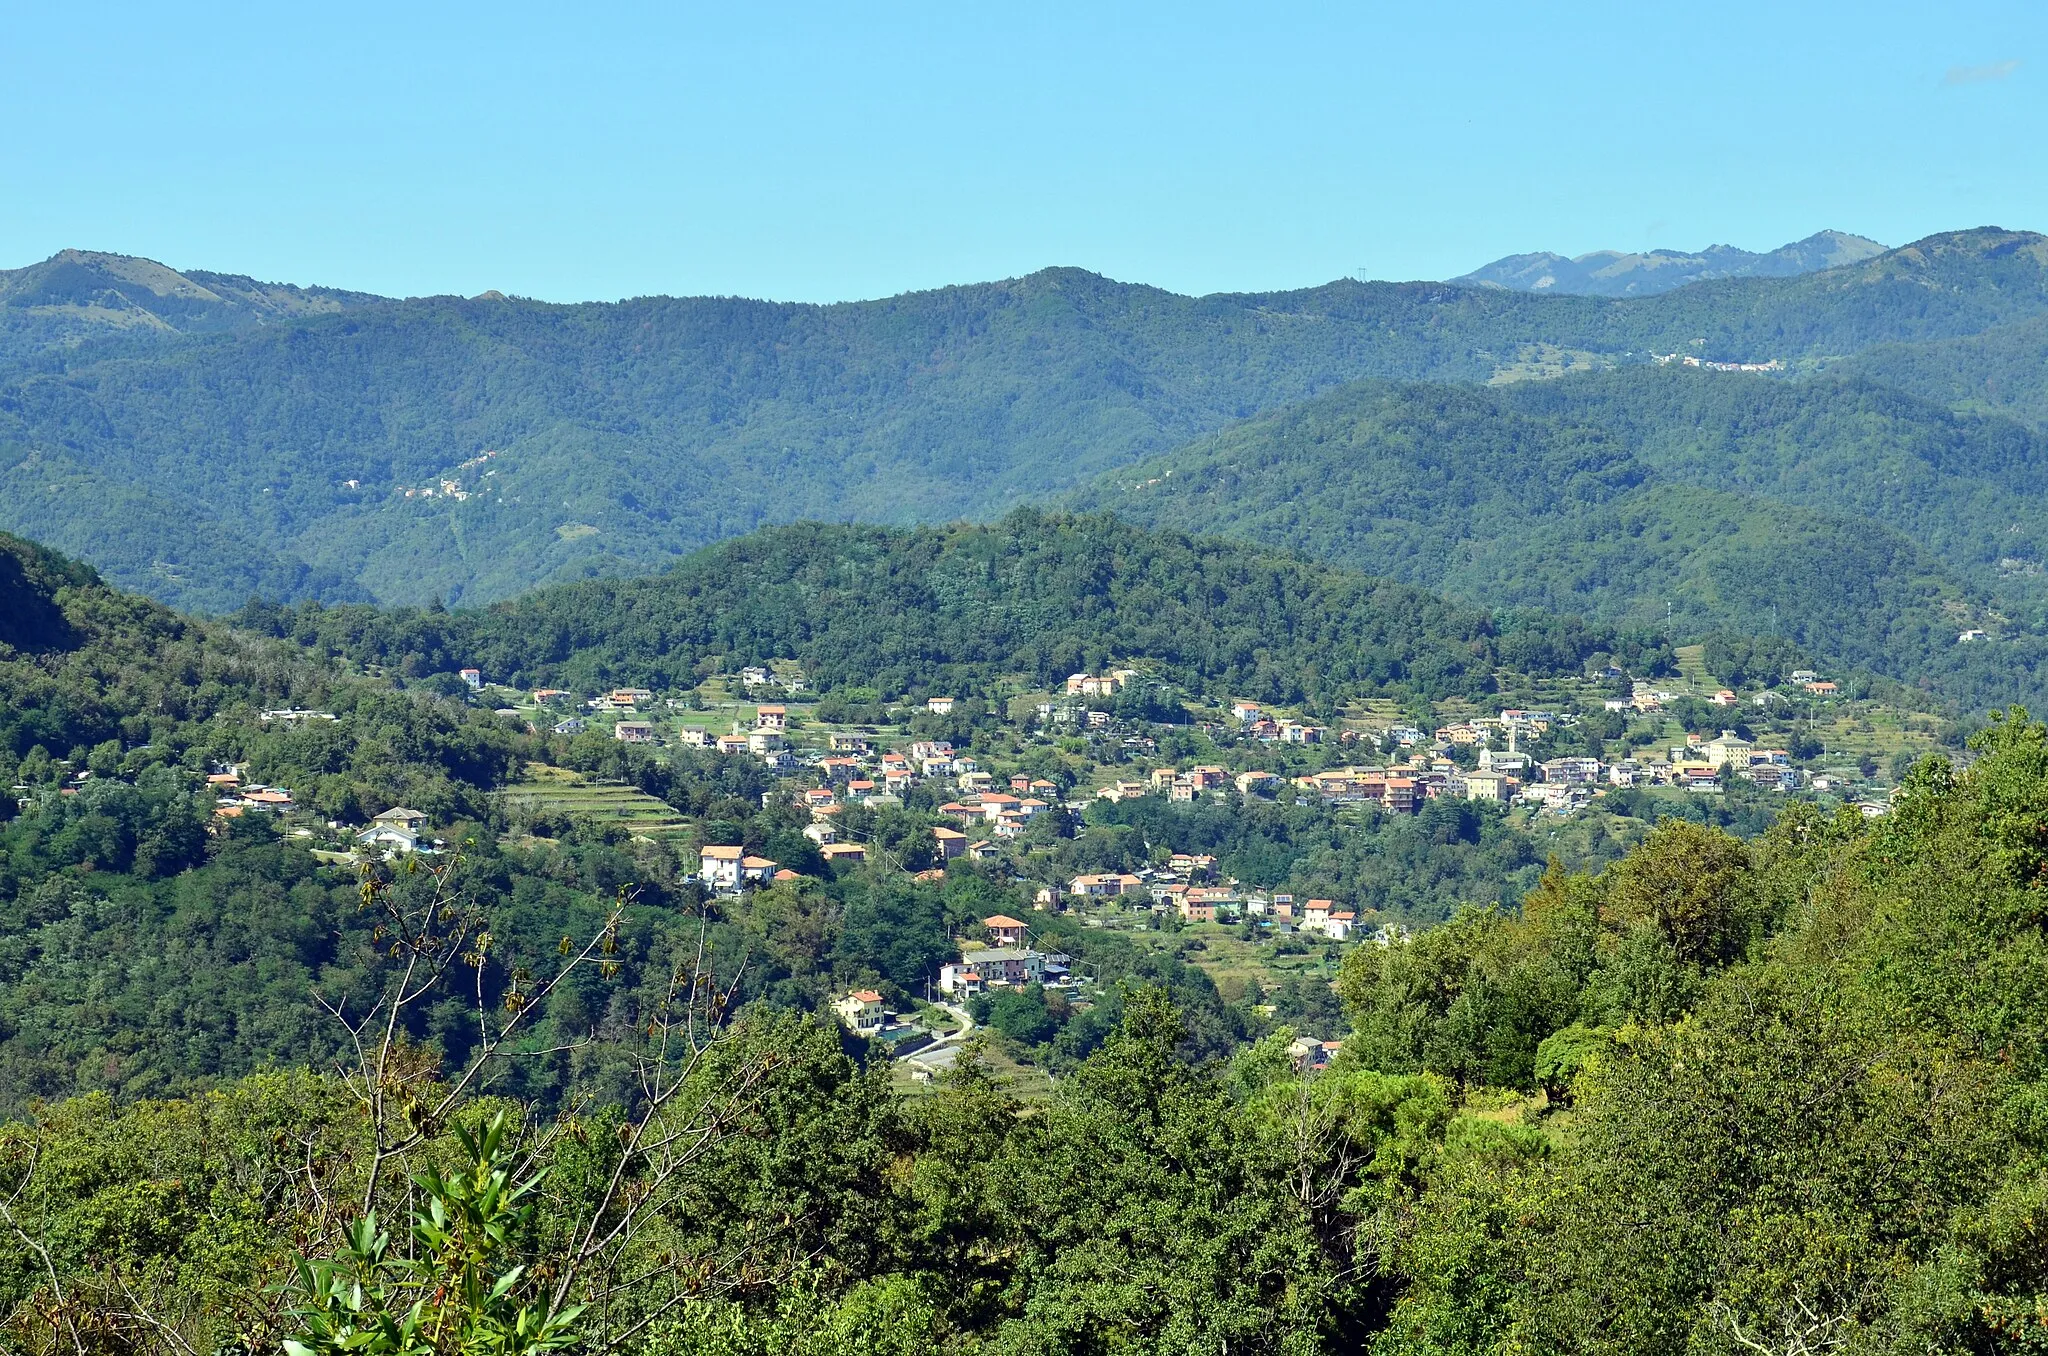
column 203, row 437
column 1614, row 273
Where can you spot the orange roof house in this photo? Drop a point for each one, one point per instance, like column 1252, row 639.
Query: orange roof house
column 1004, row 930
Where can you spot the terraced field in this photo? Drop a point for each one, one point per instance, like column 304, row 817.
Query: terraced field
column 558, row 791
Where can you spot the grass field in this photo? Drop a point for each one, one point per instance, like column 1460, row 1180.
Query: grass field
column 558, row 791
column 1692, row 666
column 1233, row 962
column 1023, row 1081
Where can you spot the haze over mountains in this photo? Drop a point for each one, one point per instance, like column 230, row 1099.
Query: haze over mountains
column 203, row 437
column 1619, row 273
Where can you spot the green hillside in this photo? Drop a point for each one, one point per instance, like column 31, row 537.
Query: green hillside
column 85, row 298
column 1997, row 371
column 1701, row 1085
column 312, row 455
column 944, row 609
column 1867, row 527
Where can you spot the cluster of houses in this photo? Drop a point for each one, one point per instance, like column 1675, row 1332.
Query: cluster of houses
column 1693, row 360
column 787, row 679
column 1187, row 887
column 1007, row 959
column 396, row 832
column 232, row 798
column 1255, row 723
column 1503, row 774
column 1646, row 698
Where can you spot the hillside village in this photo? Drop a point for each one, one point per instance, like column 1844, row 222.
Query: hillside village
column 1001, row 780
column 1018, row 785
column 1526, row 760
column 1518, row 758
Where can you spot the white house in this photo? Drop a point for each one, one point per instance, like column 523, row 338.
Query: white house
column 389, row 839
column 962, row 981
column 726, row 869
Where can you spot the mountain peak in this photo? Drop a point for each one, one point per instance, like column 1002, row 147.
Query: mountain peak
column 75, row 295
column 1616, row 273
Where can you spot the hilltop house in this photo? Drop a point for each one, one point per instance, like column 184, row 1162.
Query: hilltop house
column 389, row 839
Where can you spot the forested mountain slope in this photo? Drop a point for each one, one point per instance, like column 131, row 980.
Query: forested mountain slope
column 105, row 679
column 315, row 457
column 2001, row 370
column 1869, row 527
column 937, row 609
column 80, row 296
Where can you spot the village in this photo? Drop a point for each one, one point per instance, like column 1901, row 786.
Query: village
column 1510, row 757
column 1001, row 780
column 1506, row 757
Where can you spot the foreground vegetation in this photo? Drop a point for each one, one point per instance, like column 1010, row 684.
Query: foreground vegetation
column 1718, row 1097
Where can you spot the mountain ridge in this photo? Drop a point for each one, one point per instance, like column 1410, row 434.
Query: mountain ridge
column 1622, row 273
column 470, row 449
column 75, row 295
column 1868, row 527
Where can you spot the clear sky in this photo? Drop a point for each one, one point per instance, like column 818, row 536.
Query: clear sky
column 820, row 152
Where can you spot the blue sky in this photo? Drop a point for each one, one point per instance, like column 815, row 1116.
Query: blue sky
column 820, row 152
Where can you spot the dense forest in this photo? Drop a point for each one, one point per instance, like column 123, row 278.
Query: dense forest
column 278, row 458
column 1865, row 526
column 945, row 610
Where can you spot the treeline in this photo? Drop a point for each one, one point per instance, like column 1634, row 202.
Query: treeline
column 1718, row 1097
column 950, row 610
